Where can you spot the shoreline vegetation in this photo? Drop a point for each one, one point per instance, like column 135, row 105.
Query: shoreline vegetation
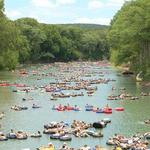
column 125, row 41
column 129, row 37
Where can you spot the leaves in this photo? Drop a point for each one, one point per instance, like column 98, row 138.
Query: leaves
column 26, row 40
column 129, row 35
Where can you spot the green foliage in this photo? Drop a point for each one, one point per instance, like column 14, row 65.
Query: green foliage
column 46, row 57
column 24, row 49
column 129, row 35
column 63, row 43
column 94, row 45
column 13, row 45
column 26, row 40
column 10, row 59
column 147, row 74
column 33, row 35
column 8, row 44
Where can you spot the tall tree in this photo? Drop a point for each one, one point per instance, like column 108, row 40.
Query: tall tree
column 129, row 35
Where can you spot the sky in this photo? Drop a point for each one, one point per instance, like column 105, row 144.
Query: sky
column 64, row 11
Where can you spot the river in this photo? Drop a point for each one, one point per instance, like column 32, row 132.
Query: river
column 127, row 122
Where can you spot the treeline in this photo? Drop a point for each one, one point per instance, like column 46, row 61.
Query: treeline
column 27, row 41
column 129, row 36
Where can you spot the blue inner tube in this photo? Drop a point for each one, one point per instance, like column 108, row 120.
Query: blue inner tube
column 11, row 136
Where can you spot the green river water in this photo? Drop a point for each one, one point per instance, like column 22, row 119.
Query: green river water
column 128, row 122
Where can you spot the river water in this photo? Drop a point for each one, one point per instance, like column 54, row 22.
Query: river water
column 127, row 123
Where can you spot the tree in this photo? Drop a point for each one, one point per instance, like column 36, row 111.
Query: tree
column 94, row 45
column 33, row 34
column 26, row 40
column 8, row 44
column 129, row 35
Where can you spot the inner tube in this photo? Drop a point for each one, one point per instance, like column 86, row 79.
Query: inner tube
column 36, row 107
column 23, row 108
column 49, row 126
column 147, row 137
column 70, row 108
column 97, row 135
column 55, row 136
column 11, row 136
column 3, row 138
column 89, row 132
column 76, row 109
column 5, row 84
column 108, row 111
column 48, row 132
column 99, row 124
column 65, row 138
column 100, row 111
column 36, row 136
column 119, row 109
column 22, row 138
column 89, row 109
column 60, row 109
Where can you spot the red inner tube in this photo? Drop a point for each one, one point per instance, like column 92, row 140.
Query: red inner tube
column 119, row 109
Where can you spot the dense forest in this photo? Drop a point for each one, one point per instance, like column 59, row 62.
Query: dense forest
column 129, row 36
column 126, row 41
column 27, row 41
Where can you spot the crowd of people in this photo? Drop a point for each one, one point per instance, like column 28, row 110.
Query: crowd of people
column 66, row 147
column 73, row 80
